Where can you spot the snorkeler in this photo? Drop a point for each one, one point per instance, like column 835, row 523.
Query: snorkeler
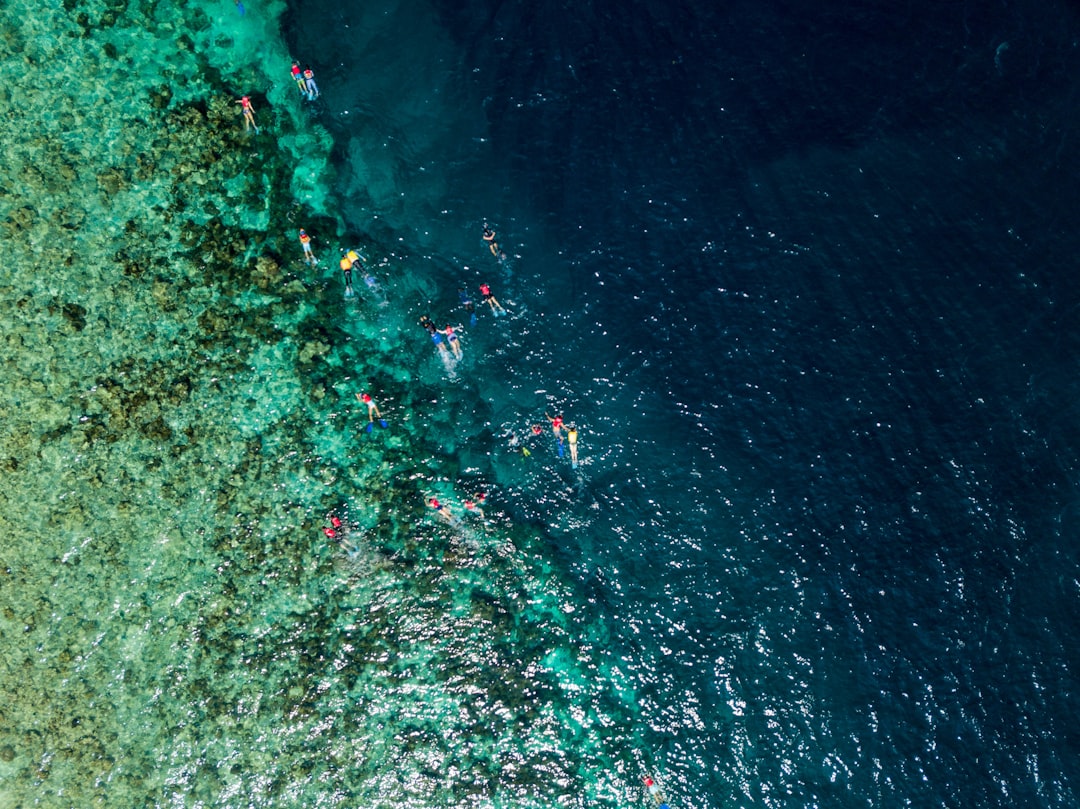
column 249, row 113
column 452, row 339
column 489, row 299
column 433, row 332
column 372, row 411
column 305, row 242
column 571, row 439
column 346, row 269
column 474, row 504
column 556, row 425
column 298, row 77
column 309, row 83
column 489, row 237
column 654, row 790
column 442, row 510
column 466, row 301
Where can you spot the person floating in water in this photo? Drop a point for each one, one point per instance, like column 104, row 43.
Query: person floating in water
column 433, row 332
column 452, row 339
column 556, row 425
column 489, row 299
column 309, row 84
column 442, row 510
column 474, row 504
column 571, row 439
column 466, row 301
column 346, row 269
column 305, row 242
column 489, row 238
column 373, row 287
column 249, row 113
column 654, row 790
column 298, row 77
column 372, row 411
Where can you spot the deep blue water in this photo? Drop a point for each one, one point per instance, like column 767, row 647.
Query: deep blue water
column 805, row 277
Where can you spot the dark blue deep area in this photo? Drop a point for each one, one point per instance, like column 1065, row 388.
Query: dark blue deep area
column 806, row 276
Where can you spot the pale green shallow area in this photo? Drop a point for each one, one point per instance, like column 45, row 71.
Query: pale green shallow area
column 175, row 629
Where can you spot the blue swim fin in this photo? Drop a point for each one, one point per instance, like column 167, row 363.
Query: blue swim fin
column 370, row 427
column 561, row 451
column 472, row 319
column 383, row 424
column 241, row 9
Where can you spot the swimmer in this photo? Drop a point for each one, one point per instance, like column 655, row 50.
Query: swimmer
column 305, row 242
column 474, row 504
column 452, row 339
column 654, row 790
column 489, row 299
column 433, row 332
column 372, row 411
column 489, row 237
column 249, row 113
column 442, row 510
column 556, row 425
column 309, row 84
column 571, row 439
column 466, row 301
column 298, row 77
column 373, row 287
column 346, row 269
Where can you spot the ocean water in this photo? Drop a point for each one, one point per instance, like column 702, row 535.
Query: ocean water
column 801, row 278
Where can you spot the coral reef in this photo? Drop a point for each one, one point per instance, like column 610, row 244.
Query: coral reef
column 179, row 421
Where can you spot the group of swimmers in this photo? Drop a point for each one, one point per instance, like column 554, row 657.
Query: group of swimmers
column 472, row 505
column 350, row 260
column 438, row 334
column 305, row 80
column 452, row 342
column 446, row 339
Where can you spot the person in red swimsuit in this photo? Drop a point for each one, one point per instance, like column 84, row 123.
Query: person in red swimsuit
column 489, row 299
column 249, row 113
column 556, row 425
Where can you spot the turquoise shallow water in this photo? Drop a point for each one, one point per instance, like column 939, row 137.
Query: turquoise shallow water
column 177, row 630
